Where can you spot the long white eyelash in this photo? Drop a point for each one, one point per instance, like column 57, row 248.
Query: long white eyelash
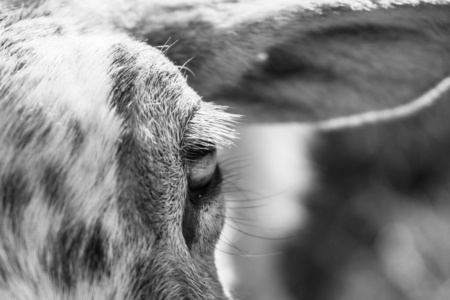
column 426, row 100
column 211, row 125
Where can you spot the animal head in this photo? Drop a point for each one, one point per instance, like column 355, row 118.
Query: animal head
column 110, row 187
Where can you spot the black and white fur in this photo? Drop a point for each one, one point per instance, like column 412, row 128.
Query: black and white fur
column 96, row 133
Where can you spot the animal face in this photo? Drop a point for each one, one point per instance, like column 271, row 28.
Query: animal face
column 109, row 184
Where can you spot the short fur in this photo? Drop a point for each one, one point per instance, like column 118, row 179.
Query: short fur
column 93, row 182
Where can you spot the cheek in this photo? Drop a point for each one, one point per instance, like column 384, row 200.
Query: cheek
column 202, row 225
column 204, row 213
column 212, row 220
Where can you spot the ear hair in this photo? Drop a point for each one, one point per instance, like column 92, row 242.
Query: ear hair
column 403, row 111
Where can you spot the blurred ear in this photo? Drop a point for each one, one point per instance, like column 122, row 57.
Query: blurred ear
column 311, row 65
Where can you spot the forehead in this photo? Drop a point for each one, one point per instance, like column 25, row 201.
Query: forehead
column 73, row 99
column 149, row 91
column 106, row 81
column 88, row 75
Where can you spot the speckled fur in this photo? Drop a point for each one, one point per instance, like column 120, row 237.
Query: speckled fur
column 93, row 180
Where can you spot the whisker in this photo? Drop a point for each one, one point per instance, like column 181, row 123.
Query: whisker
column 259, row 236
column 246, row 207
column 239, row 219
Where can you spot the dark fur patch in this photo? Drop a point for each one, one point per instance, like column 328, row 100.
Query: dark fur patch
column 77, row 252
column 124, row 74
column 94, row 255
column 32, row 127
column 53, row 181
column 190, row 224
column 65, row 252
column 15, row 196
column 6, row 43
column 131, row 155
column 78, row 136
column 12, row 263
column 134, row 174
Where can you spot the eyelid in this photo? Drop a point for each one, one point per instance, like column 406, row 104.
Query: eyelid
column 201, row 170
column 195, row 150
column 209, row 126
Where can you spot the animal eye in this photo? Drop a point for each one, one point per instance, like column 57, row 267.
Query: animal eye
column 201, row 163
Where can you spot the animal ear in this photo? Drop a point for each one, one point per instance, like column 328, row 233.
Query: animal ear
column 300, row 65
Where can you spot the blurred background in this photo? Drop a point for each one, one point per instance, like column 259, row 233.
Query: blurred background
column 269, row 172
column 383, row 244
column 386, row 242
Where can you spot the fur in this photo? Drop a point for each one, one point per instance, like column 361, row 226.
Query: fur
column 93, row 183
